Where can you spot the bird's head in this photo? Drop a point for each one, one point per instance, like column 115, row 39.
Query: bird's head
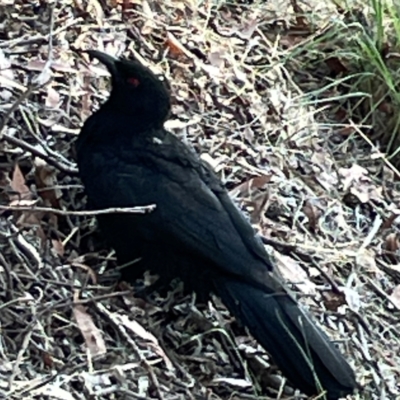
column 136, row 91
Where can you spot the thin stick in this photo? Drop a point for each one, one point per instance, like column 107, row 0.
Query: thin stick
column 124, row 210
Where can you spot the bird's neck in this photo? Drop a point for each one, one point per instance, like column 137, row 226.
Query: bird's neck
column 129, row 120
column 143, row 112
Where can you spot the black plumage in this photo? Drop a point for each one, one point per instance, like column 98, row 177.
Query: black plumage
column 126, row 158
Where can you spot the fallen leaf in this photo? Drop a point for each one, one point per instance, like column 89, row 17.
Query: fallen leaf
column 333, row 301
column 92, row 335
column 46, row 182
column 352, row 174
column 174, row 46
column 58, row 247
column 149, row 18
column 138, row 329
column 240, row 383
column 94, row 8
column 352, row 298
column 386, row 108
column 388, row 222
column 248, row 30
column 51, row 391
column 367, row 258
column 18, row 185
column 395, row 297
column 245, row 188
column 346, row 131
column 312, row 213
column 359, row 184
column 52, row 98
column 391, row 246
column 86, row 268
column 216, row 59
column 301, row 20
column 336, row 66
column 48, row 359
column 366, row 192
column 292, row 272
column 32, row 219
column 7, row 73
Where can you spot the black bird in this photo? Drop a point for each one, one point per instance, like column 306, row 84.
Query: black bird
column 126, row 158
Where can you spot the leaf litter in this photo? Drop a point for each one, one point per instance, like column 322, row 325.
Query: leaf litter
column 69, row 334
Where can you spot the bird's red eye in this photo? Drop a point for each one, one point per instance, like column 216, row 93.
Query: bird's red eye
column 134, row 82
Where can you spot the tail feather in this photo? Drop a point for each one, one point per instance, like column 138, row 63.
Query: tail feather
column 301, row 350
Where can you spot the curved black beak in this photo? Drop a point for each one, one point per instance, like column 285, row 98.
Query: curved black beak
column 107, row 60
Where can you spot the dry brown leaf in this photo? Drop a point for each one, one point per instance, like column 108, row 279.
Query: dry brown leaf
column 313, row 213
column 33, row 219
column 366, row 258
column 365, row 193
column 388, row 222
column 392, row 245
column 301, row 20
column 85, row 110
column 126, row 5
column 8, row 76
column 216, row 59
column 357, row 182
column 249, row 29
column 149, row 24
column 292, row 272
column 352, row 298
column 386, row 107
column 94, row 8
column 241, row 383
column 63, row 66
column 290, row 40
column 395, row 297
column 18, row 185
column 341, row 115
column 325, row 174
column 346, row 131
column 138, row 329
column 45, row 177
column 48, row 359
column 352, row 174
column 174, row 46
column 58, row 247
column 333, row 301
column 86, row 268
column 51, row 391
column 92, row 335
column 246, row 187
column 35, row 65
column 336, row 66
column 52, row 98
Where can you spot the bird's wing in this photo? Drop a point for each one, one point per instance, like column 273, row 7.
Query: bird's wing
column 194, row 211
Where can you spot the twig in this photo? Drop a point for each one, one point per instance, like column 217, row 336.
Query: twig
column 35, row 151
column 39, row 82
column 125, row 210
column 16, row 104
column 131, row 341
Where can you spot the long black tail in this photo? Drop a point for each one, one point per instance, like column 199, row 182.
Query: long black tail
column 301, row 350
